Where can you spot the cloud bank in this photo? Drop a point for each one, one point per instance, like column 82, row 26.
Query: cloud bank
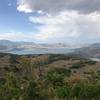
column 63, row 19
column 67, row 24
column 54, row 6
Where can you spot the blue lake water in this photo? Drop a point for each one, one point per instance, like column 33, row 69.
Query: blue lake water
column 43, row 51
column 96, row 59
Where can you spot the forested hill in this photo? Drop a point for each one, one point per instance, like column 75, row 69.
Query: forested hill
column 56, row 77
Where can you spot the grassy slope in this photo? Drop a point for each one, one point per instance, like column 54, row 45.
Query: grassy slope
column 47, row 71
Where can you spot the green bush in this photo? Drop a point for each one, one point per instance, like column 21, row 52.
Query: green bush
column 91, row 62
column 63, row 91
column 77, row 65
column 56, row 75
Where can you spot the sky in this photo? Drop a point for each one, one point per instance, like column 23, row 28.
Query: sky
column 50, row 21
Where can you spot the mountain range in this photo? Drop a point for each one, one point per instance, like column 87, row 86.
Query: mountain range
column 84, row 50
column 6, row 45
column 92, row 50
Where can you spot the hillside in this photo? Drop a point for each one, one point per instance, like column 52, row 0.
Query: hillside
column 90, row 51
column 56, row 77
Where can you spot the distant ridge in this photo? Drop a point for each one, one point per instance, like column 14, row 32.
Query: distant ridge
column 7, row 45
column 87, row 50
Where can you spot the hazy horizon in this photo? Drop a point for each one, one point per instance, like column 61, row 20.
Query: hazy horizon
column 80, row 43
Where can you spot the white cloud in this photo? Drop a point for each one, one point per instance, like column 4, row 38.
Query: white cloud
column 24, row 6
column 60, row 27
column 66, row 25
column 24, row 9
column 17, row 36
column 61, row 20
